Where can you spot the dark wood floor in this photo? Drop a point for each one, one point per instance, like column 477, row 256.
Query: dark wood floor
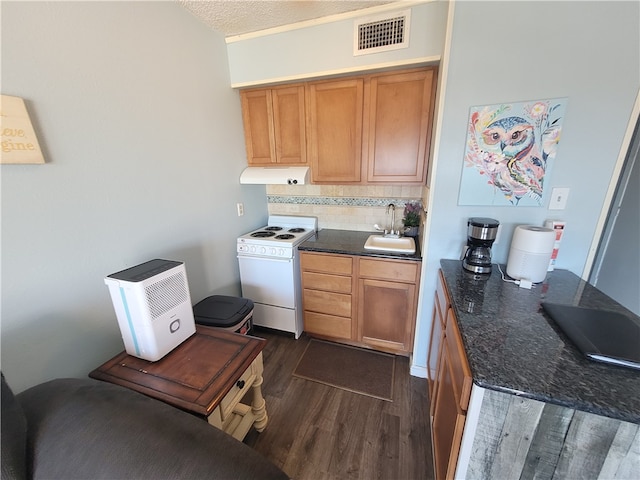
column 320, row 432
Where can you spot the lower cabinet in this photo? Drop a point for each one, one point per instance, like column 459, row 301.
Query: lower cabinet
column 360, row 300
column 387, row 301
column 441, row 306
column 448, row 422
column 327, row 288
column 450, row 389
column 478, row 433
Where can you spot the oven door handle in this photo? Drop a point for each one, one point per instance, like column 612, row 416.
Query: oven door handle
column 267, row 259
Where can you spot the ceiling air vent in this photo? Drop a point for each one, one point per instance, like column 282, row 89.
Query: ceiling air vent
column 381, row 33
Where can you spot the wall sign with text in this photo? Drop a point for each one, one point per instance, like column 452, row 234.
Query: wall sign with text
column 19, row 141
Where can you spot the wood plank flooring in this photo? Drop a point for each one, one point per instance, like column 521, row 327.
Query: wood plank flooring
column 325, row 433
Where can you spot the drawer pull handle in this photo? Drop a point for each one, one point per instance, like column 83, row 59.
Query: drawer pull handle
column 240, row 384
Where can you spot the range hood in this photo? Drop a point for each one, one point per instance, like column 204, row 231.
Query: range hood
column 275, row 175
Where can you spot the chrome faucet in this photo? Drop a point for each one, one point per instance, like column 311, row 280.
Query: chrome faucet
column 391, row 232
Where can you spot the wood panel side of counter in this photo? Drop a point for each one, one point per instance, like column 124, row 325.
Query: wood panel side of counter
column 516, row 437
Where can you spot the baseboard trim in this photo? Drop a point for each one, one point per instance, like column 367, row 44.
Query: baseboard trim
column 418, row 371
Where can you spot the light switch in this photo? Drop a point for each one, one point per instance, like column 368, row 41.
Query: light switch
column 559, row 198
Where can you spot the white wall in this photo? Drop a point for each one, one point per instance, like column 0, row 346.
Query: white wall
column 144, row 146
column 519, row 51
column 327, row 48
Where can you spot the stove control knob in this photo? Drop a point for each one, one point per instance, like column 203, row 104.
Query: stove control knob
column 272, row 251
column 281, row 252
column 253, row 249
column 263, row 250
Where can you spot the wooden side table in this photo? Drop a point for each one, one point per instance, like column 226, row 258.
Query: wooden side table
column 207, row 375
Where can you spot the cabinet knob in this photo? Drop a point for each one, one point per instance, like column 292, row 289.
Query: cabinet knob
column 240, row 384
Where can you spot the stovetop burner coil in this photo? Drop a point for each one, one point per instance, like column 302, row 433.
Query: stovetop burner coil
column 262, row 234
column 285, row 236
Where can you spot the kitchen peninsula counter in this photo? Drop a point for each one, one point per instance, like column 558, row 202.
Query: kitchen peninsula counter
column 350, row 242
column 513, row 347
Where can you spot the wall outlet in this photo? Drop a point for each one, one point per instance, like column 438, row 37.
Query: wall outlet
column 558, row 198
column 240, row 208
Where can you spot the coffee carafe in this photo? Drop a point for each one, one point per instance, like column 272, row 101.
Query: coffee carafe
column 481, row 233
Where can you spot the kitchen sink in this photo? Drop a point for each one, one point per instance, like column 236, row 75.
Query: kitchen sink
column 390, row 244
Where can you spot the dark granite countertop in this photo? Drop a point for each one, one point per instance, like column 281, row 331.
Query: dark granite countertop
column 513, row 347
column 349, row 242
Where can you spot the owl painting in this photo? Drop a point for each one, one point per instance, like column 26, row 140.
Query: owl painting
column 509, row 148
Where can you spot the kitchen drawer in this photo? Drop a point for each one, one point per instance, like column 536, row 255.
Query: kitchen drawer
column 327, row 302
column 442, row 297
column 333, row 264
column 460, row 371
column 399, row 271
column 329, row 325
column 322, row 281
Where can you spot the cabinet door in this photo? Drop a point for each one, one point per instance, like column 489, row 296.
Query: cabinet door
column 459, row 365
column 335, row 130
column 434, row 354
column 274, row 125
column 289, row 125
column 442, row 304
column 448, row 421
column 453, row 391
column 385, row 314
column 257, row 117
column 399, row 126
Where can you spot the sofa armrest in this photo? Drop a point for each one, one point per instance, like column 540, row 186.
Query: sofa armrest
column 13, row 441
column 84, row 428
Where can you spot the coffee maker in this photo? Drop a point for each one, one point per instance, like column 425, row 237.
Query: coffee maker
column 481, row 233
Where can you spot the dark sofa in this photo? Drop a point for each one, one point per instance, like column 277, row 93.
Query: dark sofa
column 86, row 429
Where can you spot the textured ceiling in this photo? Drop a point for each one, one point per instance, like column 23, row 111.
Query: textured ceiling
column 234, row 17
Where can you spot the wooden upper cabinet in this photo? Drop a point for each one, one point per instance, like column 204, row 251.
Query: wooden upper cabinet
column 334, row 127
column 399, row 121
column 257, row 116
column 367, row 129
column 274, row 125
column 289, row 125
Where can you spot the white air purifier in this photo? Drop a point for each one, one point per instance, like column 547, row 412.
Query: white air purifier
column 153, row 307
column 530, row 252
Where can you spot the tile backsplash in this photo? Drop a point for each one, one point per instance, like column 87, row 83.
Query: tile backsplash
column 344, row 207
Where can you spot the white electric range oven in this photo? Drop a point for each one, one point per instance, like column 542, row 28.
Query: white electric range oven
column 270, row 271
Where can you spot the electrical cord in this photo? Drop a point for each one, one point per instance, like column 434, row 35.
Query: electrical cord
column 522, row 283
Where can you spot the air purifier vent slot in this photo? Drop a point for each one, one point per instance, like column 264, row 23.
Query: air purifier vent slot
column 166, row 294
column 379, row 34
